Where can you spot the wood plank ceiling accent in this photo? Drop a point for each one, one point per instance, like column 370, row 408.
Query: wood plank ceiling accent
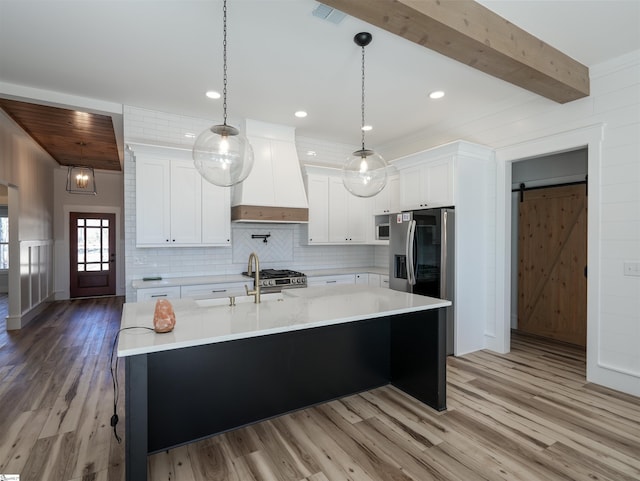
column 61, row 131
column 472, row 34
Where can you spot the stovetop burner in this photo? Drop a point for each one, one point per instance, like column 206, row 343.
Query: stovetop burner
column 274, row 280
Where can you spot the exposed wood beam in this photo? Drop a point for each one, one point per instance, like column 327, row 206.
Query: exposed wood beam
column 472, row 34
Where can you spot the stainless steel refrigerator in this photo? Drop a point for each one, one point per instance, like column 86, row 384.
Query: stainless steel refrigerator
column 422, row 261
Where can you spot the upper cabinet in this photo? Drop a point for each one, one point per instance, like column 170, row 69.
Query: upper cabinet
column 388, row 201
column 175, row 206
column 338, row 217
column 318, row 192
column 435, row 177
column 428, row 184
column 348, row 214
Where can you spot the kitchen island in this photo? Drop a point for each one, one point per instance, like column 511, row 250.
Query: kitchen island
column 224, row 367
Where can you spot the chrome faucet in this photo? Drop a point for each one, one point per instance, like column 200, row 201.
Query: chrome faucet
column 256, row 280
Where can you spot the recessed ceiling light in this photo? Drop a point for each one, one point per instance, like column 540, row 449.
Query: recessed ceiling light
column 311, row 153
column 190, row 135
column 212, row 94
column 436, row 94
column 367, row 128
column 301, row 114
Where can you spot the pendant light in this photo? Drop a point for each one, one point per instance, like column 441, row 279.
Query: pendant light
column 81, row 179
column 221, row 154
column 364, row 174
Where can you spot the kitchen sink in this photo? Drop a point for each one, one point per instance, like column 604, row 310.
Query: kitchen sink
column 225, row 301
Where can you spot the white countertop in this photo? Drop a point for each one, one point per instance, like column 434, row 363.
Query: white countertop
column 213, row 320
column 347, row 270
column 189, row 281
column 224, row 279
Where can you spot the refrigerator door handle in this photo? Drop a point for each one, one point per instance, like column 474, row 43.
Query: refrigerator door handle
column 411, row 273
column 407, row 253
column 443, row 270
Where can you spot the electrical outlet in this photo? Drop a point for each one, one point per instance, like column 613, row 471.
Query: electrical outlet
column 632, row 269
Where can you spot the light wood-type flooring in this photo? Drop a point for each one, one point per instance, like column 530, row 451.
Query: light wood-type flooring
column 528, row 415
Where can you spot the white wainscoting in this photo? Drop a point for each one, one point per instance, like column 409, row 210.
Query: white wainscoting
column 36, row 281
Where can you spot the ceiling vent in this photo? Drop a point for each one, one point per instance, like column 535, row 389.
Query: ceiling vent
column 328, row 13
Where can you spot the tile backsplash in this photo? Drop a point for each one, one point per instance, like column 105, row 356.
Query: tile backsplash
column 284, row 249
column 276, row 246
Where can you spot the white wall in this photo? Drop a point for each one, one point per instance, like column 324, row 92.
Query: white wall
column 145, row 126
column 533, row 124
column 109, row 199
column 27, row 170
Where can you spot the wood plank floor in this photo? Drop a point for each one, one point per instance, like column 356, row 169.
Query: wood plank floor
column 528, row 415
column 56, row 396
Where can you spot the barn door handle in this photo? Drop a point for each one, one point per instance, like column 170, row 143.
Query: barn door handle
column 585, row 271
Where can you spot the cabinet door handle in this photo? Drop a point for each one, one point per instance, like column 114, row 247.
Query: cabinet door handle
column 158, row 295
column 331, row 282
column 219, row 290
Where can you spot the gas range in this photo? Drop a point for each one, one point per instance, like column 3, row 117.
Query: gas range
column 274, row 280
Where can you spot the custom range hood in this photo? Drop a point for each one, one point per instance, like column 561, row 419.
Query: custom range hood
column 274, row 190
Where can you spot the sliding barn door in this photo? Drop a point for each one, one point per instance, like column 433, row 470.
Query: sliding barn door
column 552, row 251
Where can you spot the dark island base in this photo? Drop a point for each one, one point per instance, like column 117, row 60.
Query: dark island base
column 178, row 396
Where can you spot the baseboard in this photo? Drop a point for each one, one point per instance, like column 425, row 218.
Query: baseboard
column 18, row 322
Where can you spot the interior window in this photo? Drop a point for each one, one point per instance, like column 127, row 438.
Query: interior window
column 4, row 237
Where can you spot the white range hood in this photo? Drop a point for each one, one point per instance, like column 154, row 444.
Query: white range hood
column 274, row 190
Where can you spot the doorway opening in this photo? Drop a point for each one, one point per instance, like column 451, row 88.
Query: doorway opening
column 549, row 247
column 92, row 254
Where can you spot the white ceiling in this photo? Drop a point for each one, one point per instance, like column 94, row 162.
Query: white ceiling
column 163, row 55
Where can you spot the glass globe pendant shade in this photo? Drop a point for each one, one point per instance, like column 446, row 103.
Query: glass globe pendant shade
column 222, row 155
column 364, row 174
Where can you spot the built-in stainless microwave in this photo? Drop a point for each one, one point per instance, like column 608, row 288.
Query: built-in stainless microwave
column 382, row 231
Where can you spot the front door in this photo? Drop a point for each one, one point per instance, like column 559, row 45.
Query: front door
column 92, row 241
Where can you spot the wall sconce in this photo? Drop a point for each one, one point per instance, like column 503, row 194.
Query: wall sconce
column 81, row 180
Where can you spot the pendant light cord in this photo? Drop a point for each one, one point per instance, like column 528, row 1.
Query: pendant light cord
column 362, row 104
column 224, row 61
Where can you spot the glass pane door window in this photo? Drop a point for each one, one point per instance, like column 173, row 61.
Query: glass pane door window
column 92, row 256
column 4, row 242
column 93, row 245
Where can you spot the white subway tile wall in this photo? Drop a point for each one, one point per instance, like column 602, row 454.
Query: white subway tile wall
column 276, row 245
column 284, row 248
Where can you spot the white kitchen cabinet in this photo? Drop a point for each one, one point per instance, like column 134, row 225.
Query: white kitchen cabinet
column 348, row 214
column 175, row 206
column 461, row 174
column 214, row 291
column 363, row 278
column 388, row 201
column 318, row 193
column 427, row 184
column 153, row 201
column 331, row 280
column 186, row 204
column 335, row 215
column 378, row 280
column 216, row 208
column 151, row 293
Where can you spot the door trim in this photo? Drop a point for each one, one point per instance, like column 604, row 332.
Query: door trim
column 75, row 276
column 61, row 250
column 590, row 137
